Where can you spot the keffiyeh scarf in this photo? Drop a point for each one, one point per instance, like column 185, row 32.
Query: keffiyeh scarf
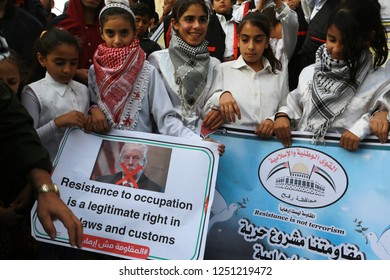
column 122, row 82
column 191, row 67
column 332, row 90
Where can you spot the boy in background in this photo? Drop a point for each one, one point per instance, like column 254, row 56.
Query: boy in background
column 143, row 14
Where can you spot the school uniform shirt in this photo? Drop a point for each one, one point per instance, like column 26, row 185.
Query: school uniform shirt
column 46, row 100
column 162, row 61
column 258, row 94
column 373, row 94
column 155, row 109
column 229, row 27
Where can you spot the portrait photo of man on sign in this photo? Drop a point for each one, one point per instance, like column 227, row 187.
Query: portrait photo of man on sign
column 126, row 164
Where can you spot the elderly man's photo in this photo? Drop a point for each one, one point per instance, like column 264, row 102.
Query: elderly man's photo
column 130, row 167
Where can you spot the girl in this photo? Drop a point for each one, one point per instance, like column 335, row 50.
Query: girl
column 342, row 89
column 55, row 101
column 186, row 66
column 283, row 34
column 11, row 71
column 249, row 91
column 128, row 91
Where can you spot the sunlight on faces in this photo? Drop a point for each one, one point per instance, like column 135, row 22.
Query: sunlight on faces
column 9, row 74
column 334, row 43
column 192, row 25
column 117, row 32
column 61, row 63
column 252, row 43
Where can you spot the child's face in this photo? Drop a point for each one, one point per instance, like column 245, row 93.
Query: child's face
column 222, row 6
column 252, row 43
column 334, row 43
column 117, row 32
column 61, row 63
column 142, row 24
column 192, row 25
column 9, row 74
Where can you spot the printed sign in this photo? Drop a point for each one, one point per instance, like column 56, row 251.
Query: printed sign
column 138, row 195
column 302, row 202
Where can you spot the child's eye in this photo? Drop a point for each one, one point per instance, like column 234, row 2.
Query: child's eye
column 125, row 32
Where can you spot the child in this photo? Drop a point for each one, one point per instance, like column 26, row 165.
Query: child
column 10, row 71
column 186, row 66
column 249, row 91
column 284, row 27
column 128, row 91
column 344, row 87
column 55, row 101
column 223, row 12
column 143, row 16
column 81, row 19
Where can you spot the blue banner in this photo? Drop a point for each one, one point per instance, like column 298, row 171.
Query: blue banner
column 302, row 202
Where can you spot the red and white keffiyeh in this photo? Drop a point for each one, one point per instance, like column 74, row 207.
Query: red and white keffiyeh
column 120, row 89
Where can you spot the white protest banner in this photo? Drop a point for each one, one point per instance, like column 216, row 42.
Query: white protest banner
column 164, row 215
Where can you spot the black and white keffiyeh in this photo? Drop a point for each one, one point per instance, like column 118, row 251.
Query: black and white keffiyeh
column 332, row 90
column 191, row 67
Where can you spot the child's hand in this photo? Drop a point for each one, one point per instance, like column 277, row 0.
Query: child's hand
column 265, row 129
column 349, row 141
column 282, row 130
column 99, row 121
column 213, row 119
column 73, row 118
column 221, row 147
column 379, row 126
column 229, row 107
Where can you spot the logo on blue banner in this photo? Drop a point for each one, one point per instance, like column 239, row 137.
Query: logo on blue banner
column 303, row 177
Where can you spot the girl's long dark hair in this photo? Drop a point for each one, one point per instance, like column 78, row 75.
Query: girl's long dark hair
column 361, row 28
column 46, row 44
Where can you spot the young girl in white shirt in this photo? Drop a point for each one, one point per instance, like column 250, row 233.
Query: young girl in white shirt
column 249, row 91
column 346, row 85
column 54, row 100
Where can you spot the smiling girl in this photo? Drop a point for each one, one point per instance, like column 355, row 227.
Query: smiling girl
column 186, row 66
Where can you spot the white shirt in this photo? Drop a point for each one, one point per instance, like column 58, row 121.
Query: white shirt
column 162, row 61
column 311, row 7
column 284, row 48
column 373, row 94
column 258, row 94
column 228, row 28
column 46, row 100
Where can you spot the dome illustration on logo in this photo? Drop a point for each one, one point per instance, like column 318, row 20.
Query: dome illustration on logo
column 303, row 177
